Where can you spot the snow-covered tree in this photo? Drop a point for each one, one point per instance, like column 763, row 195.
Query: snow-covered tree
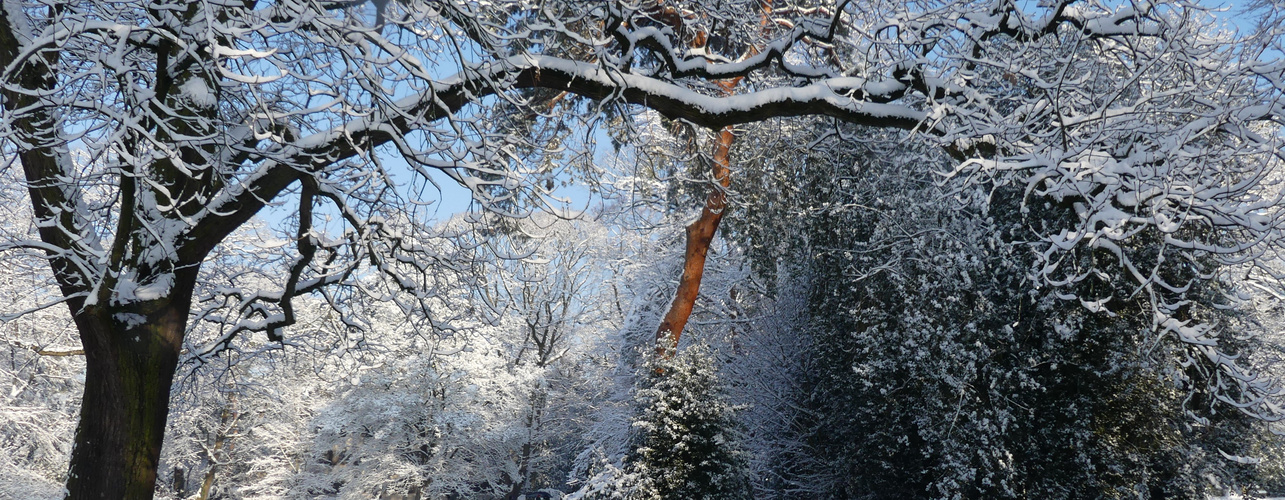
column 686, row 436
column 40, row 379
column 149, row 133
column 938, row 370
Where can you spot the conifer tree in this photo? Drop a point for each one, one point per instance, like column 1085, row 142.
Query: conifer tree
column 687, row 434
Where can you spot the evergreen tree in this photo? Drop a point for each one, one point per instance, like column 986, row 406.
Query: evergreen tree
column 943, row 373
column 942, row 368
column 687, row 434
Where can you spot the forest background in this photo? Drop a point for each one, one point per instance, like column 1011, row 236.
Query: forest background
column 723, row 249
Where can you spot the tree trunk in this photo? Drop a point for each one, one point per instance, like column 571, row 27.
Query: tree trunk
column 699, row 236
column 533, row 424
column 180, row 483
column 228, row 418
column 701, row 233
column 131, row 353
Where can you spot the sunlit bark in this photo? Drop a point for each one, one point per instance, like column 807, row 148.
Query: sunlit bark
column 699, row 236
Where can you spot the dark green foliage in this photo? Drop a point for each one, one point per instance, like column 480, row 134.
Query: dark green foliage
column 947, row 374
column 945, row 370
column 687, row 434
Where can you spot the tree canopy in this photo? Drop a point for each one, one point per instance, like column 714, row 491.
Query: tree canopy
column 1132, row 151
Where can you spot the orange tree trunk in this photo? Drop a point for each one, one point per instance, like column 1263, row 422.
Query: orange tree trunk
column 701, row 232
column 699, row 236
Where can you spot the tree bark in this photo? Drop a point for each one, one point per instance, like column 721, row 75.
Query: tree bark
column 220, row 438
column 699, row 236
column 131, row 353
column 701, row 232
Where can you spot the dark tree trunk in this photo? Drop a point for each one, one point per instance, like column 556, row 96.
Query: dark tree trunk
column 180, row 483
column 131, row 353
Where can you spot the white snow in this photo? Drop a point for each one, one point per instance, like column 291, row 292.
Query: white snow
column 130, row 320
column 198, row 93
